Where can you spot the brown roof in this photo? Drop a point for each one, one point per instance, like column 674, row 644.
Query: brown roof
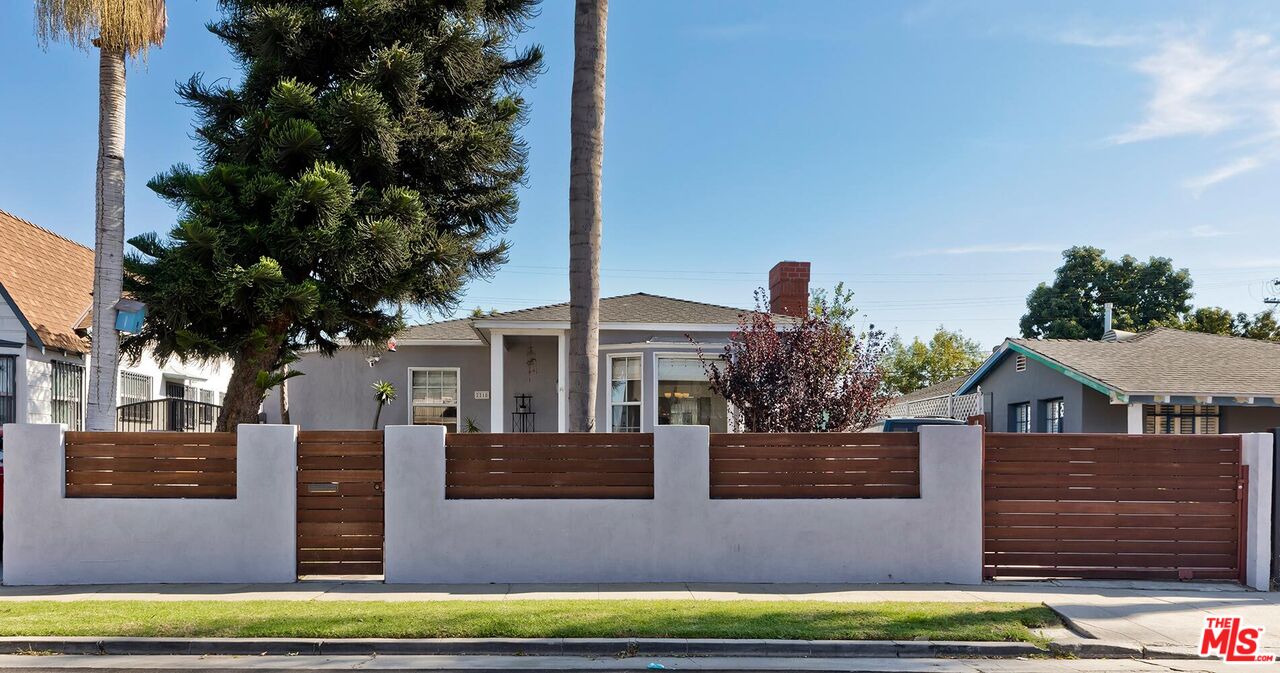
column 1171, row 361
column 448, row 330
column 940, row 389
column 635, row 308
column 629, row 308
column 49, row 277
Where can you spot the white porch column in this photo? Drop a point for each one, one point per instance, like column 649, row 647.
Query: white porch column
column 562, row 390
column 1135, row 419
column 496, row 396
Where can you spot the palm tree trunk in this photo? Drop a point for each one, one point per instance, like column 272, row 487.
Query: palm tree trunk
column 108, row 249
column 284, row 397
column 586, row 156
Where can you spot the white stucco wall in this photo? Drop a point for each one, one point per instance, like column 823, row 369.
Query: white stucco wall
column 1258, row 454
column 212, row 376
column 681, row 534
column 50, row 539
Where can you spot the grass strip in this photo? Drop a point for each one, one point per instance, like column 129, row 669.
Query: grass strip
column 804, row 620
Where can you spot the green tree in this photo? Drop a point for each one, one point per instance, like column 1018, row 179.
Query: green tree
column 1144, row 294
column 946, row 355
column 1261, row 326
column 116, row 29
column 369, row 159
column 383, row 393
column 835, row 306
column 1215, row 320
column 1210, row 319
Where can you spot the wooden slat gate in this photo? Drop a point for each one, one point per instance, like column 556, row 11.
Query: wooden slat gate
column 1113, row 506
column 340, row 506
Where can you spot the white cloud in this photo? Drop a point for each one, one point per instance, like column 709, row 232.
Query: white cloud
column 1198, row 184
column 1207, row 231
column 990, row 249
column 1200, row 89
column 1081, row 38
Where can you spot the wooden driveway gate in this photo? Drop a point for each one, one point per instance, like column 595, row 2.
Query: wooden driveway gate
column 340, row 508
column 1114, row 506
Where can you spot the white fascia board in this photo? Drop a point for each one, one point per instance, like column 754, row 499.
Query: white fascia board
column 1239, row 398
column 640, row 326
column 439, row 342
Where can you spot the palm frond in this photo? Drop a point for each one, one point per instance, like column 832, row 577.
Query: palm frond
column 129, row 26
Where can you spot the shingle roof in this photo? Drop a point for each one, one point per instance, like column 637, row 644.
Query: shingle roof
column 636, row 308
column 448, row 330
column 49, row 277
column 939, row 389
column 1171, row 361
column 629, row 308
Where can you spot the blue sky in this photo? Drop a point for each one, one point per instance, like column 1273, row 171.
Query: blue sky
column 935, row 155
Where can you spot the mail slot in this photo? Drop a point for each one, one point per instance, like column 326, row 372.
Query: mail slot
column 322, row 488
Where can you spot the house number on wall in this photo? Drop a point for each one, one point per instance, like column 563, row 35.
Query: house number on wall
column 482, row 394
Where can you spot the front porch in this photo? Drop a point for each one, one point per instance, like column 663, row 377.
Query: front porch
column 527, row 373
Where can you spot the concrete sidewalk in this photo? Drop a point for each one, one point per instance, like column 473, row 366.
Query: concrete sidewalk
column 1151, row 614
column 478, row 664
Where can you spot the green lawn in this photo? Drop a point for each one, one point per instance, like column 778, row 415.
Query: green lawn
column 529, row 619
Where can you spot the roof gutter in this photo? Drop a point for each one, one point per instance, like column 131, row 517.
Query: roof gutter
column 31, row 331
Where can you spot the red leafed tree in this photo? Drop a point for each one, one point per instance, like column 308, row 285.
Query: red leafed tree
column 810, row 375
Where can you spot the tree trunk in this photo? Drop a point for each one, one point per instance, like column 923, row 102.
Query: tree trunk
column 377, row 415
column 108, row 248
column 284, row 397
column 586, row 156
column 244, row 395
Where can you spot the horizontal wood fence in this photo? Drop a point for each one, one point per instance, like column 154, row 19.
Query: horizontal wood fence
column 150, row 465
column 340, row 502
column 816, row 465
column 559, row 465
column 1113, row 506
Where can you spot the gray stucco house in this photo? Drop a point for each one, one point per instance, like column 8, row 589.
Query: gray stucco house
column 504, row 372
column 1164, row 381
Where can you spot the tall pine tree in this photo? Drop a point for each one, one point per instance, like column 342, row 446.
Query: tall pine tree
column 369, row 159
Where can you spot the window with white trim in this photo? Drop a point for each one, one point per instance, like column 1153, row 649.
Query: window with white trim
column 67, row 394
column 1020, row 417
column 624, row 393
column 1054, row 410
column 685, row 396
column 434, row 397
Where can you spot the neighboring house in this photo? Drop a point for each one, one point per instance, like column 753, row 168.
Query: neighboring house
column 1164, row 381
column 937, row 401
column 505, row 372
column 46, row 286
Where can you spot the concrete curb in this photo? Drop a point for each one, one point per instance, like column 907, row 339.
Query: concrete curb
column 586, row 647
column 591, row 647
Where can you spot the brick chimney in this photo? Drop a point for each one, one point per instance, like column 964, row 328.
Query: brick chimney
column 789, row 288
